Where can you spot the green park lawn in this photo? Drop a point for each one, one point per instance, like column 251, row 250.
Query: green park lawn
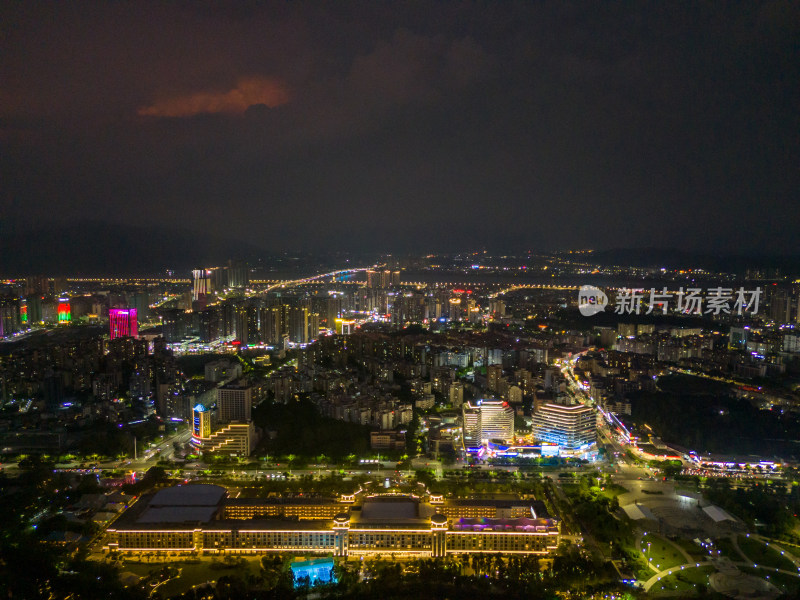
column 697, row 553
column 764, row 555
column 686, row 580
column 662, row 552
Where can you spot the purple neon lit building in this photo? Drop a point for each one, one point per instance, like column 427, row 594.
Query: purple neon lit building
column 123, row 322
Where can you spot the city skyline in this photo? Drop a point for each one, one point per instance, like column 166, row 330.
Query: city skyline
column 457, row 417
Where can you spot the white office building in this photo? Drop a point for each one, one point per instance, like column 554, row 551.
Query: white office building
column 571, row 426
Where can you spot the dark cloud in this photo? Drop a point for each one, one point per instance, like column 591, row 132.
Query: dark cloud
column 408, row 124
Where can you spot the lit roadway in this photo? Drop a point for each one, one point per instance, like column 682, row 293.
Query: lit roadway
column 148, row 456
column 533, row 286
column 294, row 282
column 712, row 377
column 628, row 471
column 625, row 472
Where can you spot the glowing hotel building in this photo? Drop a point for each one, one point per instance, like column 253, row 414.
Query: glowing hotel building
column 122, row 323
column 486, row 420
column 201, row 518
column 233, row 431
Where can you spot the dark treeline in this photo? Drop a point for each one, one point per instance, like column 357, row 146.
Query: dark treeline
column 300, row 429
column 717, row 422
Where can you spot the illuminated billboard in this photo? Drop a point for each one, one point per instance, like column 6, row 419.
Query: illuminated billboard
column 64, row 311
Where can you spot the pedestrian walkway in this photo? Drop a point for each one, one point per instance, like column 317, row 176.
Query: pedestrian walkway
column 735, row 539
column 727, row 567
column 780, row 548
column 672, row 570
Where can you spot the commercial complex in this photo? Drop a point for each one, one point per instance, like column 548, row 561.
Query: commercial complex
column 571, row 426
column 201, row 518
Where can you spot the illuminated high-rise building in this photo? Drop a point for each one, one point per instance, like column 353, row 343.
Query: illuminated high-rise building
column 572, row 426
column 122, row 323
column 313, row 326
column 494, row 373
column 234, row 403
column 9, row 317
column 201, row 424
column 233, row 432
column 208, row 324
column 34, row 304
column 202, row 284
column 240, row 326
column 219, row 279
column 373, row 279
column 333, row 307
column 173, row 324
column 487, row 420
column 238, row 275
column 456, row 394
column 269, row 324
column 64, row 311
column 497, row 307
column 298, row 325
column 227, row 319
column 782, row 304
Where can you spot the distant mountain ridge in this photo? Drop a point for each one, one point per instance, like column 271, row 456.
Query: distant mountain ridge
column 671, row 258
column 96, row 248
column 99, row 248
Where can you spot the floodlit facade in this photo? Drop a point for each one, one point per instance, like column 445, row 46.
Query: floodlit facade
column 572, row 427
column 319, row 570
column 238, row 274
column 201, row 423
column 486, row 420
column 190, row 519
column 233, row 438
column 227, row 438
column 122, row 323
column 201, row 287
column 64, row 311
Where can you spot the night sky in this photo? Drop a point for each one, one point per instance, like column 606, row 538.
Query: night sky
column 411, row 126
